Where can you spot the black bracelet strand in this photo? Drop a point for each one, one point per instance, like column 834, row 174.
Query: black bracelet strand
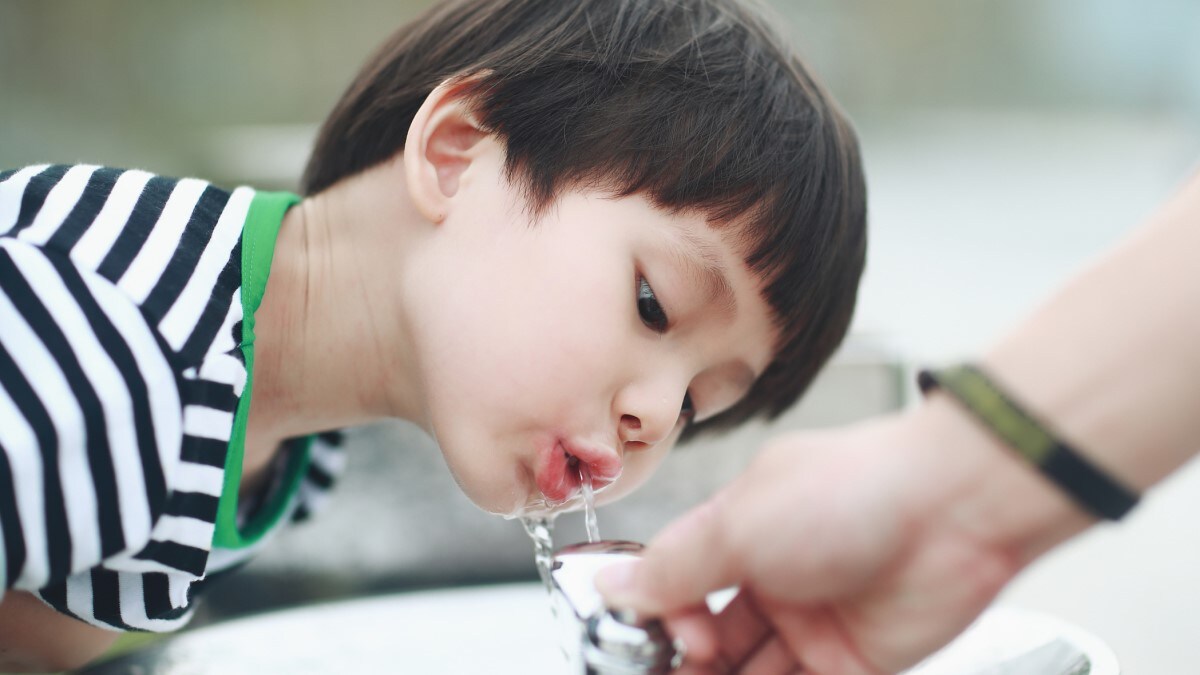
column 1088, row 485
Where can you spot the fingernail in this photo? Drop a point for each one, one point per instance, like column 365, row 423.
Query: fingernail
column 615, row 580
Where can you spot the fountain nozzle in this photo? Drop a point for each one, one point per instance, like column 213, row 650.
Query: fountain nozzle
column 609, row 642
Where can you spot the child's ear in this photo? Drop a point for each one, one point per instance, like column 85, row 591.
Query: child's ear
column 438, row 148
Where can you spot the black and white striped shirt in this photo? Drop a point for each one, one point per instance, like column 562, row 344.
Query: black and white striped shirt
column 126, row 314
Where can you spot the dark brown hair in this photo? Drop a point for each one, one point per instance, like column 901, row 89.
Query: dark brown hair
column 697, row 104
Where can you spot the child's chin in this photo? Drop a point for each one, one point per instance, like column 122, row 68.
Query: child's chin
column 509, row 504
column 487, row 488
column 538, row 506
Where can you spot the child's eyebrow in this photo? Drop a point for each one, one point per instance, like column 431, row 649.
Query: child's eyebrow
column 702, row 263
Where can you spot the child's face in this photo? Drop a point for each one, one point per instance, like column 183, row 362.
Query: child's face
column 576, row 335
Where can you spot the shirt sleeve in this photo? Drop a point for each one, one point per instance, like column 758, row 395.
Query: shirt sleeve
column 120, row 375
column 90, row 419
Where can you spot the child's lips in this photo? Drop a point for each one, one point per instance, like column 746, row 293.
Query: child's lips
column 558, row 481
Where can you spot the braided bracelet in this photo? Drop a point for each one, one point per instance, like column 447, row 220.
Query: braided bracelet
column 1088, row 485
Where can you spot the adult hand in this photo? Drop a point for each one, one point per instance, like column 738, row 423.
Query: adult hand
column 857, row 551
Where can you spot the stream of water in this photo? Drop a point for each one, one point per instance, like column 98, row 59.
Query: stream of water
column 589, row 505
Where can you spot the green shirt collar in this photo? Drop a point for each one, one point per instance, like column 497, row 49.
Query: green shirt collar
column 263, row 220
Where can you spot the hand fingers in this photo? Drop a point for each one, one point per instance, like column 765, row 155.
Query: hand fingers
column 771, row 658
column 689, row 559
column 742, row 628
column 764, row 639
column 692, row 669
column 732, row 638
column 698, row 631
column 818, row 640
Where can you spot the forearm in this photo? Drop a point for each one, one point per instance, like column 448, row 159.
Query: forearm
column 1113, row 361
column 1112, row 364
column 36, row 639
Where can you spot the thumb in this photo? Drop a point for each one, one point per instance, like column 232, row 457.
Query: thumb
column 689, row 559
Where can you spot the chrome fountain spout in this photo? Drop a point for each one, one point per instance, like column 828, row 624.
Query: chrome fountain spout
column 599, row 641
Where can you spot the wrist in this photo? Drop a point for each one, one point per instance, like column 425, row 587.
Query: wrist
column 989, row 493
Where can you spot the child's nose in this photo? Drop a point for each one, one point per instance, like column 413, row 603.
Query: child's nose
column 646, row 420
column 646, row 405
column 630, row 433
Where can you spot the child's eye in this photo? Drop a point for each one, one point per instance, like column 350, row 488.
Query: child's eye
column 649, row 309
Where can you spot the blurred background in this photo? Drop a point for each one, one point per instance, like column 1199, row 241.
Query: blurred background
column 998, row 134
column 1007, row 142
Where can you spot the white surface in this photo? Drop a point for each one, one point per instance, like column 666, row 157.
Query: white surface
column 500, row 630
column 497, row 630
column 1003, row 634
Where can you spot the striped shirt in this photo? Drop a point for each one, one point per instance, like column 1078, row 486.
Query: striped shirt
column 126, row 366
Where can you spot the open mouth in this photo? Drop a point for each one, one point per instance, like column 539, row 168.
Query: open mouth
column 559, row 470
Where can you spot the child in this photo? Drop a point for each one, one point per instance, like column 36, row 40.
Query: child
column 555, row 235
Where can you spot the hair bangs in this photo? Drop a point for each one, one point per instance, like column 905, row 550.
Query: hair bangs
column 697, row 104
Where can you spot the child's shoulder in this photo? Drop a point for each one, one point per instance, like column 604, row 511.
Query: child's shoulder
column 168, row 243
column 59, row 203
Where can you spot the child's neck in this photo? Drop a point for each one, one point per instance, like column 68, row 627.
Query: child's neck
column 330, row 347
